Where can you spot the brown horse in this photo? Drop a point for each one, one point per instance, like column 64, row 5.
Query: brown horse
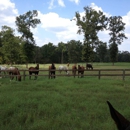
column 74, row 69
column 121, row 122
column 34, row 70
column 13, row 71
column 81, row 70
column 52, row 69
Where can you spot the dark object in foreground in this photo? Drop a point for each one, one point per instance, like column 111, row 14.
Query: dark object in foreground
column 121, row 122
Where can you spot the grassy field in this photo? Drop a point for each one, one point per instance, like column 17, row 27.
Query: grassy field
column 64, row 103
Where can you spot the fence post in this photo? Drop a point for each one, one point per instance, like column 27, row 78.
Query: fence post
column 74, row 72
column 99, row 74
column 124, row 74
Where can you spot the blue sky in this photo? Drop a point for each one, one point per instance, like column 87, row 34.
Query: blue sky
column 55, row 18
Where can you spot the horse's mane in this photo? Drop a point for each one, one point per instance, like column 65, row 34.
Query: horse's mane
column 53, row 66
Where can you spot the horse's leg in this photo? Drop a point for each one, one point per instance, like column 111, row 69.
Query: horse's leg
column 30, row 75
column 35, row 76
column 51, row 75
column 81, row 74
column 16, row 77
column 0, row 73
column 54, row 75
column 11, row 76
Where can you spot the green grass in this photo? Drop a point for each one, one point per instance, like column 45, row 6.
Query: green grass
column 64, row 103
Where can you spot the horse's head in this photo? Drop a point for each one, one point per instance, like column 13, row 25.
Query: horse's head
column 53, row 66
column 121, row 122
column 37, row 66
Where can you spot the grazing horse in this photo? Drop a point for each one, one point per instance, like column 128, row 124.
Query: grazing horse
column 34, row 70
column 89, row 66
column 3, row 69
column 121, row 122
column 64, row 68
column 74, row 69
column 13, row 71
column 52, row 69
column 81, row 70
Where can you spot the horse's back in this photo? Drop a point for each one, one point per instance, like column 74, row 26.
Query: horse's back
column 61, row 67
column 3, row 68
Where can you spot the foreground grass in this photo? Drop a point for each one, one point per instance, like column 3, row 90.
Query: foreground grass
column 64, row 103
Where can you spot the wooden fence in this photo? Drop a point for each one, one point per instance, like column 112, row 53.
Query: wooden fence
column 96, row 72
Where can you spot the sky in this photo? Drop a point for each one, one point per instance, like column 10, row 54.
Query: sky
column 55, row 15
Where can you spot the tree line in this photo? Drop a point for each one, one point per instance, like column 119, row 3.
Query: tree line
column 23, row 49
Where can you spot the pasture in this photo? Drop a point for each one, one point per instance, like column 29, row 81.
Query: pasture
column 63, row 103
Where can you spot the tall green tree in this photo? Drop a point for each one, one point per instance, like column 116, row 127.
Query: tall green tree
column 10, row 45
column 61, row 48
column 116, row 28
column 24, row 24
column 74, row 49
column 113, row 50
column 90, row 24
column 48, row 53
column 101, row 50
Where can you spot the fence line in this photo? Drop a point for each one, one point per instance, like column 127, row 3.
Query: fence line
column 123, row 73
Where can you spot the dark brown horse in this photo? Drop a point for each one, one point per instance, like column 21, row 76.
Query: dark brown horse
column 33, row 70
column 81, row 70
column 89, row 66
column 52, row 69
column 121, row 122
column 13, row 71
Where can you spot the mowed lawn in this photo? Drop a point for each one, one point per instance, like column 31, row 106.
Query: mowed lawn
column 64, row 103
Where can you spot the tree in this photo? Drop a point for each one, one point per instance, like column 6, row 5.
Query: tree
column 113, row 49
column 61, row 48
column 123, row 56
column 24, row 24
column 116, row 28
column 101, row 50
column 10, row 45
column 48, row 53
column 74, row 51
column 90, row 24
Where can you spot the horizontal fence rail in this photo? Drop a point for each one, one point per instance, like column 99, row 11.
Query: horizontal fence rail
column 96, row 72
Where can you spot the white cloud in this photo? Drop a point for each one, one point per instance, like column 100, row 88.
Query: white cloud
column 76, row 1
column 62, row 28
column 8, row 13
column 51, row 4
column 94, row 6
column 61, row 3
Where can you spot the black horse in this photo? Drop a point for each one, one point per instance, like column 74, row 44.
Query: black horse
column 34, row 70
column 121, row 122
column 52, row 69
column 89, row 66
